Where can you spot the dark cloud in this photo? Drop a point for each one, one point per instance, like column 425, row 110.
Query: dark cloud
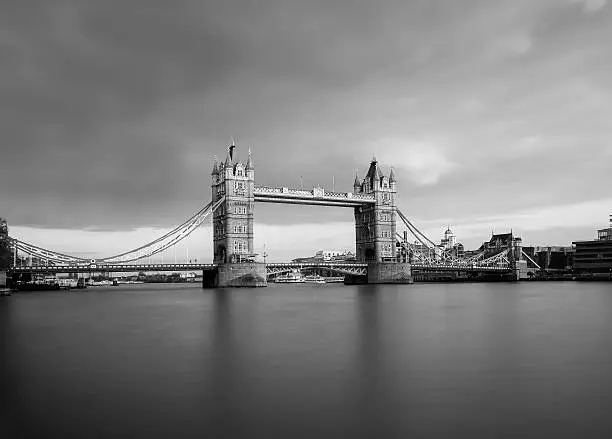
column 111, row 111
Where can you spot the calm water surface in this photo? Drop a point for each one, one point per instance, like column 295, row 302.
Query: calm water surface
column 426, row 360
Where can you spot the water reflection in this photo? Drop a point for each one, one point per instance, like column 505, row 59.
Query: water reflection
column 480, row 360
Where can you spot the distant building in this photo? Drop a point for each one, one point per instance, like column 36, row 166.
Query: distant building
column 604, row 234
column 450, row 246
column 449, row 240
column 594, row 258
column 554, row 257
column 498, row 242
column 327, row 256
column 3, row 228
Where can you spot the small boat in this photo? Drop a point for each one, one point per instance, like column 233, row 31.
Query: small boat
column 291, row 278
column 5, row 292
column 337, row 279
column 314, row 279
column 66, row 284
column 100, row 283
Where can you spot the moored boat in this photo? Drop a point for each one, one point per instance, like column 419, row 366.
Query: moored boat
column 337, row 279
column 5, row 292
column 314, row 279
column 295, row 276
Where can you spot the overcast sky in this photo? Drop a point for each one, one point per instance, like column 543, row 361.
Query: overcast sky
column 495, row 114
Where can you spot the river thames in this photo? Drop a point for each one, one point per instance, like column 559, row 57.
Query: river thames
column 424, row 360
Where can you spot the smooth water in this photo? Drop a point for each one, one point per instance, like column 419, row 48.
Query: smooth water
column 423, row 360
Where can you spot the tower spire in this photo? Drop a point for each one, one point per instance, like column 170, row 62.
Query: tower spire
column 249, row 164
column 230, row 149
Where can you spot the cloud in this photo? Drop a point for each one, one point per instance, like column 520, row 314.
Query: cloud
column 109, row 123
column 580, row 221
column 591, row 5
column 515, row 44
column 425, row 162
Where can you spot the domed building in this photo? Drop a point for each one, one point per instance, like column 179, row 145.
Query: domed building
column 449, row 244
column 449, row 240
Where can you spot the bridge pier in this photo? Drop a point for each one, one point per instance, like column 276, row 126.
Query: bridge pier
column 236, row 275
column 389, row 273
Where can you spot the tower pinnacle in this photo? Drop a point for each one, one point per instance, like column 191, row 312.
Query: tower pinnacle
column 249, row 164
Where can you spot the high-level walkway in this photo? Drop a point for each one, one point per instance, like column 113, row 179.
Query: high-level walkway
column 315, row 197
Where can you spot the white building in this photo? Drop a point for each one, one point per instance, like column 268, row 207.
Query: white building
column 328, row 255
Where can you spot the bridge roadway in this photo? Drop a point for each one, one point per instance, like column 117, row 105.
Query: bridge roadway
column 361, row 268
column 356, row 268
column 111, row 268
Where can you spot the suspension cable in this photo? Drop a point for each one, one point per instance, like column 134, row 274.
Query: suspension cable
column 177, row 234
column 171, row 232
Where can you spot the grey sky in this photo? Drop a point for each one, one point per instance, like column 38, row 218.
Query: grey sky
column 111, row 111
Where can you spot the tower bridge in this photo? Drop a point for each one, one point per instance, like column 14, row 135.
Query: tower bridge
column 380, row 256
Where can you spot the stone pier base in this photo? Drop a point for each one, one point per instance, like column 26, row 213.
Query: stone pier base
column 389, row 273
column 521, row 271
column 243, row 274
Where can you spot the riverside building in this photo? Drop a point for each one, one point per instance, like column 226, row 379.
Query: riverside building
column 593, row 259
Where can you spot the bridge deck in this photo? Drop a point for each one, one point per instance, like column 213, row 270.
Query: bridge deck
column 111, row 268
column 345, row 267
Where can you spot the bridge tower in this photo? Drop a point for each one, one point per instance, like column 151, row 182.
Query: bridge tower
column 5, row 252
column 375, row 223
column 375, row 228
column 233, row 222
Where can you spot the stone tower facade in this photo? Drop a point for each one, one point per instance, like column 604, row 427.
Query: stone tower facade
column 233, row 220
column 375, row 227
column 5, row 249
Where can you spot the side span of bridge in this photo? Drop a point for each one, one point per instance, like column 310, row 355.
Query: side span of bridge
column 111, row 268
